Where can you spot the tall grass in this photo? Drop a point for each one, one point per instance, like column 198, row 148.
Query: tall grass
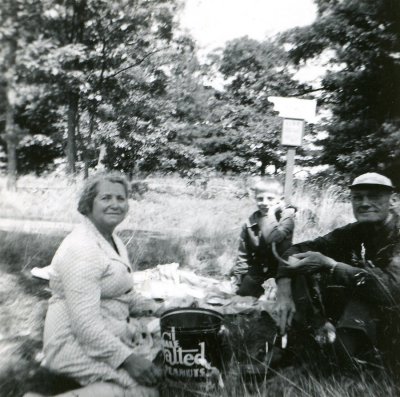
column 174, row 221
column 196, row 225
column 320, row 210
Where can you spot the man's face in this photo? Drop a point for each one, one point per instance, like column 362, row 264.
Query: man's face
column 370, row 204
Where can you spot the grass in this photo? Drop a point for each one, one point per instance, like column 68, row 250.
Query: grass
column 196, row 225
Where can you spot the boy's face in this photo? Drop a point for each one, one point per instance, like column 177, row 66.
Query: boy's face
column 265, row 200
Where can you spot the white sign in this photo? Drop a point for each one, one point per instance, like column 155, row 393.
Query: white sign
column 294, row 108
column 292, row 132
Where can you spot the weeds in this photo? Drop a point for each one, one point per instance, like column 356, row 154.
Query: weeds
column 194, row 225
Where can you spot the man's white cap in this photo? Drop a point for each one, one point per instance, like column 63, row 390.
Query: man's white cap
column 372, row 179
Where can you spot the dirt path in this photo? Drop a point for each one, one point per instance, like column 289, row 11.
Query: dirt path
column 61, row 228
column 34, row 226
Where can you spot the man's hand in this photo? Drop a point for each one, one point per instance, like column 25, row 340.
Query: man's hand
column 310, row 262
column 142, row 370
column 326, row 334
column 285, row 307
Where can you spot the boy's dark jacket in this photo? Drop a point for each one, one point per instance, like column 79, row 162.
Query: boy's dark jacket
column 255, row 255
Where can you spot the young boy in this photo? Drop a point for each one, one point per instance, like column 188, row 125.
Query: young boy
column 272, row 222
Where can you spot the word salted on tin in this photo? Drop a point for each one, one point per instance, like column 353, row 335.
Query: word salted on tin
column 179, row 362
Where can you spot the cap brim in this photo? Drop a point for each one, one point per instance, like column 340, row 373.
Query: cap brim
column 371, row 185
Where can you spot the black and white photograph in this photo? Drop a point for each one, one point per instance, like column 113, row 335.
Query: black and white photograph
column 199, row 198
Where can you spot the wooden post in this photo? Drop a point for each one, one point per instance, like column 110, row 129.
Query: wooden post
column 289, row 174
column 294, row 112
column 292, row 136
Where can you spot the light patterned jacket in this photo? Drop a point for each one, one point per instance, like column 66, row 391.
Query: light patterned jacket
column 87, row 335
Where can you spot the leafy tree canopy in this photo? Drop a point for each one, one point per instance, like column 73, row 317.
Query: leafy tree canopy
column 246, row 135
column 362, row 88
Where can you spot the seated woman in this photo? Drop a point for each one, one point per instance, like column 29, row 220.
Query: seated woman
column 86, row 334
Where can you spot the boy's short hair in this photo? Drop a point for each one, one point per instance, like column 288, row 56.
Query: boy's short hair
column 268, row 185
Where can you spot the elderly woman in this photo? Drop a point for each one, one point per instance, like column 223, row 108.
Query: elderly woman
column 86, row 334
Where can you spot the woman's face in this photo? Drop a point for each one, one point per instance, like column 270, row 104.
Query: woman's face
column 110, row 206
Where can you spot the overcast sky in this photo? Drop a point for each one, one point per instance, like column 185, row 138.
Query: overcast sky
column 213, row 22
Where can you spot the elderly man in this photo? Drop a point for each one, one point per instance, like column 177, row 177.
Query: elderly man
column 344, row 287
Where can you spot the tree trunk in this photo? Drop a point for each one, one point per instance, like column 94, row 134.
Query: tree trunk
column 71, row 131
column 11, row 132
column 85, row 167
column 86, row 145
column 11, row 140
column 102, row 155
column 263, row 167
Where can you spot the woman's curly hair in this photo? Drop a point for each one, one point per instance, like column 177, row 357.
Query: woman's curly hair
column 89, row 191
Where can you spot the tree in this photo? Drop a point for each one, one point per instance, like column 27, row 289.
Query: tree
column 362, row 88
column 17, row 26
column 162, row 100
column 83, row 53
column 42, row 142
column 247, row 132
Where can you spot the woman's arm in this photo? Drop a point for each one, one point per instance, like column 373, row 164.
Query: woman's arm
column 141, row 306
column 80, row 272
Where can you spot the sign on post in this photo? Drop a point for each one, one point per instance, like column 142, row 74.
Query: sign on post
column 294, row 108
column 294, row 111
column 292, row 132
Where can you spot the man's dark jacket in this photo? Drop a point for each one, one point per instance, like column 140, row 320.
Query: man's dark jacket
column 371, row 282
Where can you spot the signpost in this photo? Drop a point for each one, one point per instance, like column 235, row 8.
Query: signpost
column 292, row 132
column 294, row 112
